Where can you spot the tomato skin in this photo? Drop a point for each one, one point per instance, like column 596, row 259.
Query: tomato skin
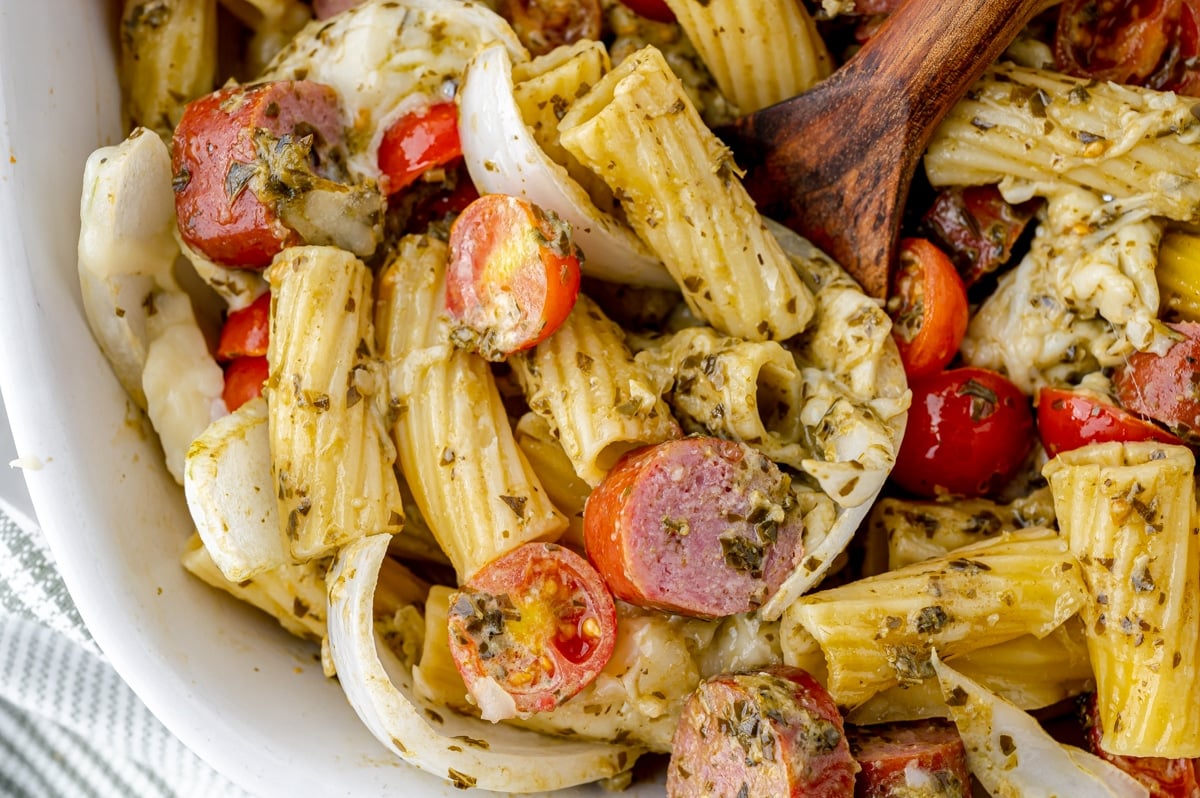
column 1164, row 778
column 656, row 10
column 1142, row 42
column 542, row 25
column 244, row 378
column 969, row 430
column 977, row 227
column 416, row 143
column 1165, row 388
column 246, row 331
column 538, row 622
column 214, row 135
column 513, row 275
column 1069, row 419
column 928, row 306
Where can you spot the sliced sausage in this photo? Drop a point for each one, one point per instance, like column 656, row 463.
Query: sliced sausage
column 1163, row 777
column 215, row 155
column 697, row 526
column 922, row 759
column 774, row 732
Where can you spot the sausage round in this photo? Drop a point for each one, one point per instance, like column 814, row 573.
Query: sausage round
column 925, row 758
column 773, row 732
column 214, row 154
column 697, row 526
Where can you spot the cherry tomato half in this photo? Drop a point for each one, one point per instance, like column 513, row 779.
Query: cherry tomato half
column 1165, row 387
column 1164, row 778
column 1069, row 419
column 244, row 378
column 969, row 429
column 928, row 306
column 537, row 625
column 246, row 331
column 1144, row 42
column 513, row 275
column 657, row 10
column 416, row 143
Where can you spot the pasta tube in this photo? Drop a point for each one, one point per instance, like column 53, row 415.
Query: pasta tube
column 749, row 391
column 880, row 631
column 599, row 401
column 552, row 466
column 678, row 185
column 1129, row 511
column 331, row 458
column 759, row 53
column 1037, row 132
column 475, row 488
column 168, row 57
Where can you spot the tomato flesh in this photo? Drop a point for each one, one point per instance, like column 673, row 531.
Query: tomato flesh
column 246, row 331
column 416, row 143
column 1069, row 419
column 656, row 10
column 977, row 227
column 538, row 622
column 219, row 215
column 244, row 379
column 969, row 430
column 928, row 306
column 1165, row 387
column 513, row 275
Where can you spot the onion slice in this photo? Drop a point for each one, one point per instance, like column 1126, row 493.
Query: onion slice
column 468, row 751
column 1012, row 755
column 503, row 158
column 874, row 376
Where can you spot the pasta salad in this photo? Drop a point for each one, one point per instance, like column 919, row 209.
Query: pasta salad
column 479, row 367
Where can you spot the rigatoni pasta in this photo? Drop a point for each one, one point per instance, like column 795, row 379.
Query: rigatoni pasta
column 759, row 53
column 1129, row 511
column 331, row 456
column 168, row 57
column 695, row 214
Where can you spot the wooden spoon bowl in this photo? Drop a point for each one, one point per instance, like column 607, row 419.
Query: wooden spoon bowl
column 836, row 162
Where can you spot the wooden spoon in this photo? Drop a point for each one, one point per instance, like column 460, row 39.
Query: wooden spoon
column 835, row 163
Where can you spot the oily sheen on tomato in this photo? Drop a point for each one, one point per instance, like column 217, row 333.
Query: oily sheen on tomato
column 1068, row 419
column 512, row 277
column 969, row 430
column 928, row 307
column 531, row 629
column 246, row 332
column 417, row 142
column 1165, row 387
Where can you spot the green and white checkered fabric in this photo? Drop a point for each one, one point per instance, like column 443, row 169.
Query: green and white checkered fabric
column 68, row 725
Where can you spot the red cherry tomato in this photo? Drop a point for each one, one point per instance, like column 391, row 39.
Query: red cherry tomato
column 537, row 623
column 1069, row 419
column 416, row 143
column 1144, row 42
column 220, row 215
column 977, row 228
column 1165, row 388
column 657, row 10
column 1164, row 778
column 969, row 429
column 246, row 331
column 244, row 378
column 542, row 25
column 928, row 306
column 513, row 275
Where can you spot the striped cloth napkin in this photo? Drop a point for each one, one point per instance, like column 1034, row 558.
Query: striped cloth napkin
column 68, row 725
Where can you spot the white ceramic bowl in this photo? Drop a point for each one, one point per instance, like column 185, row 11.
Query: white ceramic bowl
column 247, row 697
